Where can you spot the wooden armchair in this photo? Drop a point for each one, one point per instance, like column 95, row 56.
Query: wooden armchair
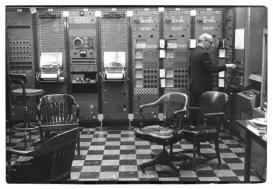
column 51, row 162
column 174, row 105
column 58, row 112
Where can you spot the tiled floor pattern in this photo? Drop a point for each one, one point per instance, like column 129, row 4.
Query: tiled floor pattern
column 111, row 155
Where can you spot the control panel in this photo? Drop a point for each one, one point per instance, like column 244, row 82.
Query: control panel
column 83, row 40
column 112, row 60
column 177, row 24
column 20, row 54
column 52, row 50
column 236, row 77
column 82, row 34
column 114, row 64
column 145, row 52
column 20, row 45
column 210, row 20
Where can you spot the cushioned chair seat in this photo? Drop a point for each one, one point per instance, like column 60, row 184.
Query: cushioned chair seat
column 64, row 124
column 155, row 133
column 22, row 126
column 199, row 133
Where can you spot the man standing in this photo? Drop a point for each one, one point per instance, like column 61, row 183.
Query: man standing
column 200, row 71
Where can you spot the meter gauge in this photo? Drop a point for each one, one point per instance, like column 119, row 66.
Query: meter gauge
column 77, row 43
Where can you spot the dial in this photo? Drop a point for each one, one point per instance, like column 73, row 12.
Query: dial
column 77, row 42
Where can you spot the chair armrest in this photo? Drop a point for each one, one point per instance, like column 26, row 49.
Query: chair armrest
column 20, row 152
column 38, row 110
column 22, row 83
column 18, row 81
column 207, row 115
column 194, row 108
column 180, row 111
column 141, row 107
column 155, row 103
column 77, row 111
column 179, row 132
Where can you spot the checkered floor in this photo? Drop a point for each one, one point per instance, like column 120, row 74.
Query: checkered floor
column 113, row 155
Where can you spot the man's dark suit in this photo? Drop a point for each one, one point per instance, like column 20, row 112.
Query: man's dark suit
column 200, row 74
column 200, row 70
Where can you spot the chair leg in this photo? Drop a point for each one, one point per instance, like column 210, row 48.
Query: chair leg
column 217, row 151
column 153, row 155
column 78, row 143
column 157, row 160
column 198, row 148
column 9, row 134
column 41, row 135
column 194, row 156
column 171, row 148
column 29, row 135
column 172, row 165
column 25, row 127
column 25, row 139
column 9, row 139
column 162, row 158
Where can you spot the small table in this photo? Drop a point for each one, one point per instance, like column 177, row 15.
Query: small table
column 249, row 136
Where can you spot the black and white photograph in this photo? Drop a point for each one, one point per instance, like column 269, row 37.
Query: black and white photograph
column 135, row 94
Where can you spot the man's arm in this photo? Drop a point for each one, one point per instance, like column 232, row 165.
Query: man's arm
column 215, row 67
column 211, row 66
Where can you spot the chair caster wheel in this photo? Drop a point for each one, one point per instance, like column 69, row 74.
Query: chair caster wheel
column 177, row 173
column 142, row 169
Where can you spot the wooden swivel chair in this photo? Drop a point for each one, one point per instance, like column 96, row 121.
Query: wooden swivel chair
column 19, row 95
column 50, row 162
column 174, row 105
column 58, row 112
column 212, row 108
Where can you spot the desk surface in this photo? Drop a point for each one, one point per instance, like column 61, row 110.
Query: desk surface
column 261, row 139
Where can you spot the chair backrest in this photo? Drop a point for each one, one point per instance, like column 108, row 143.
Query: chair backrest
column 213, row 102
column 172, row 102
column 57, row 108
column 17, row 78
column 58, row 152
column 16, row 81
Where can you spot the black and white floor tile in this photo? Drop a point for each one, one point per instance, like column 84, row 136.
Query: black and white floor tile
column 113, row 155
